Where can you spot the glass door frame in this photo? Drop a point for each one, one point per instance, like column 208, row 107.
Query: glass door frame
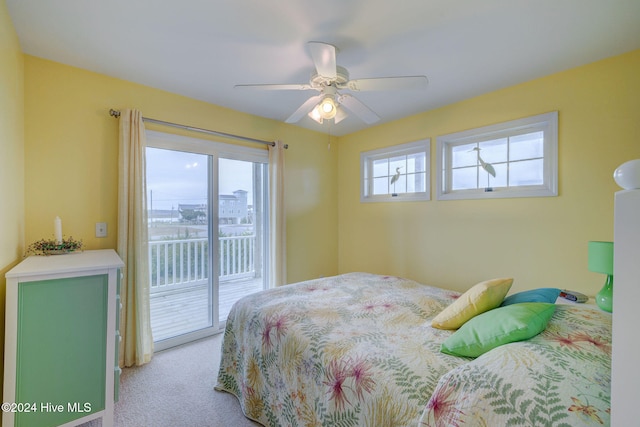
column 214, row 150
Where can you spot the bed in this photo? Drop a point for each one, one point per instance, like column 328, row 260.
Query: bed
column 360, row 350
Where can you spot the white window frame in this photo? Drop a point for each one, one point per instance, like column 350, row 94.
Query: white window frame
column 366, row 171
column 215, row 150
column 547, row 123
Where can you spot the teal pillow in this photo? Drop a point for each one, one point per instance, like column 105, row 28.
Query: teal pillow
column 535, row 295
column 502, row 325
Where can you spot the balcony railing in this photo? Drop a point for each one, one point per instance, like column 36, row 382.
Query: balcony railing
column 177, row 264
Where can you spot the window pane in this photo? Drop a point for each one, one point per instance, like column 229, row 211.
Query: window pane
column 527, row 172
column 177, row 183
column 463, row 155
column 381, row 185
column 464, row 179
column 174, row 178
column 493, row 151
column 381, row 167
column 416, row 182
column 501, row 178
column 527, row 146
column 397, row 162
column 240, row 230
column 400, row 186
column 416, row 162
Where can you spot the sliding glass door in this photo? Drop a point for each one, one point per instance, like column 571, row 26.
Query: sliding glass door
column 207, row 211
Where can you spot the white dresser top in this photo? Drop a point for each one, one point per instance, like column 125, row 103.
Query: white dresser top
column 71, row 262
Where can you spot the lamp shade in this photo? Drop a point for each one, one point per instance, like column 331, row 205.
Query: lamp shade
column 627, row 175
column 601, row 257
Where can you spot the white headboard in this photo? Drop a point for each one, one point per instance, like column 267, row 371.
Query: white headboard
column 625, row 369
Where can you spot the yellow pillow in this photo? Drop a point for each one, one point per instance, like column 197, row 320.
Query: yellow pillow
column 480, row 298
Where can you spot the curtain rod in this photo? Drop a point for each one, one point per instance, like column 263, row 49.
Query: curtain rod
column 116, row 113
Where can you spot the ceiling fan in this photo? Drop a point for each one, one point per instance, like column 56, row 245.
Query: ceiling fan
column 329, row 79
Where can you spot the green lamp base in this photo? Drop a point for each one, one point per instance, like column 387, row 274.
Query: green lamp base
column 604, row 298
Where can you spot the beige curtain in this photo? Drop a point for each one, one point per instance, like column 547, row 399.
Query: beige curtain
column 136, row 347
column 277, row 217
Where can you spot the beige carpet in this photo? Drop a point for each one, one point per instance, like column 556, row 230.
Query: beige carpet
column 176, row 389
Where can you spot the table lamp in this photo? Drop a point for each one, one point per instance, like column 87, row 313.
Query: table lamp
column 601, row 261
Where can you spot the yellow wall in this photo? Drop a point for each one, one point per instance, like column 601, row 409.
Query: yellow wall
column 11, row 155
column 71, row 154
column 538, row 241
column 59, row 157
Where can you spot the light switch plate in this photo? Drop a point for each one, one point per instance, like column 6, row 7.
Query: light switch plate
column 101, row 229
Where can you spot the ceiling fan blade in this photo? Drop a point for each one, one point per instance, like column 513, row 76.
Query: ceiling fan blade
column 324, row 58
column 358, row 108
column 304, row 109
column 388, row 83
column 301, row 86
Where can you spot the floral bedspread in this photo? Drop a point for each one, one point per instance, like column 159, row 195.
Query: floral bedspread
column 351, row 350
column 561, row 377
column 359, row 350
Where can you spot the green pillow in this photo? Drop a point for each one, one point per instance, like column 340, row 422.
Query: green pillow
column 499, row 326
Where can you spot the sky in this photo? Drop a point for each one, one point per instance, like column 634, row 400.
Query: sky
column 175, row 177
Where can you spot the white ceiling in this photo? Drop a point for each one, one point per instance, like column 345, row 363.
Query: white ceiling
column 202, row 48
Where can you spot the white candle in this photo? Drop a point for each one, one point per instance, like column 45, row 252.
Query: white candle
column 57, row 229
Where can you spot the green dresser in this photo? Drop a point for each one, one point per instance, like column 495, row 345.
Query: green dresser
column 61, row 339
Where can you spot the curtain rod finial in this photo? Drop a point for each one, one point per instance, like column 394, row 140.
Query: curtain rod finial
column 114, row 113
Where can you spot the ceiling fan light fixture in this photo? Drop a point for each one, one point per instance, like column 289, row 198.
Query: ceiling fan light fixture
column 327, row 108
column 328, row 78
column 315, row 114
column 340, row 115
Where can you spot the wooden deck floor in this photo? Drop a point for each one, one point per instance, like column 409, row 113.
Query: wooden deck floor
column 189, row 309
